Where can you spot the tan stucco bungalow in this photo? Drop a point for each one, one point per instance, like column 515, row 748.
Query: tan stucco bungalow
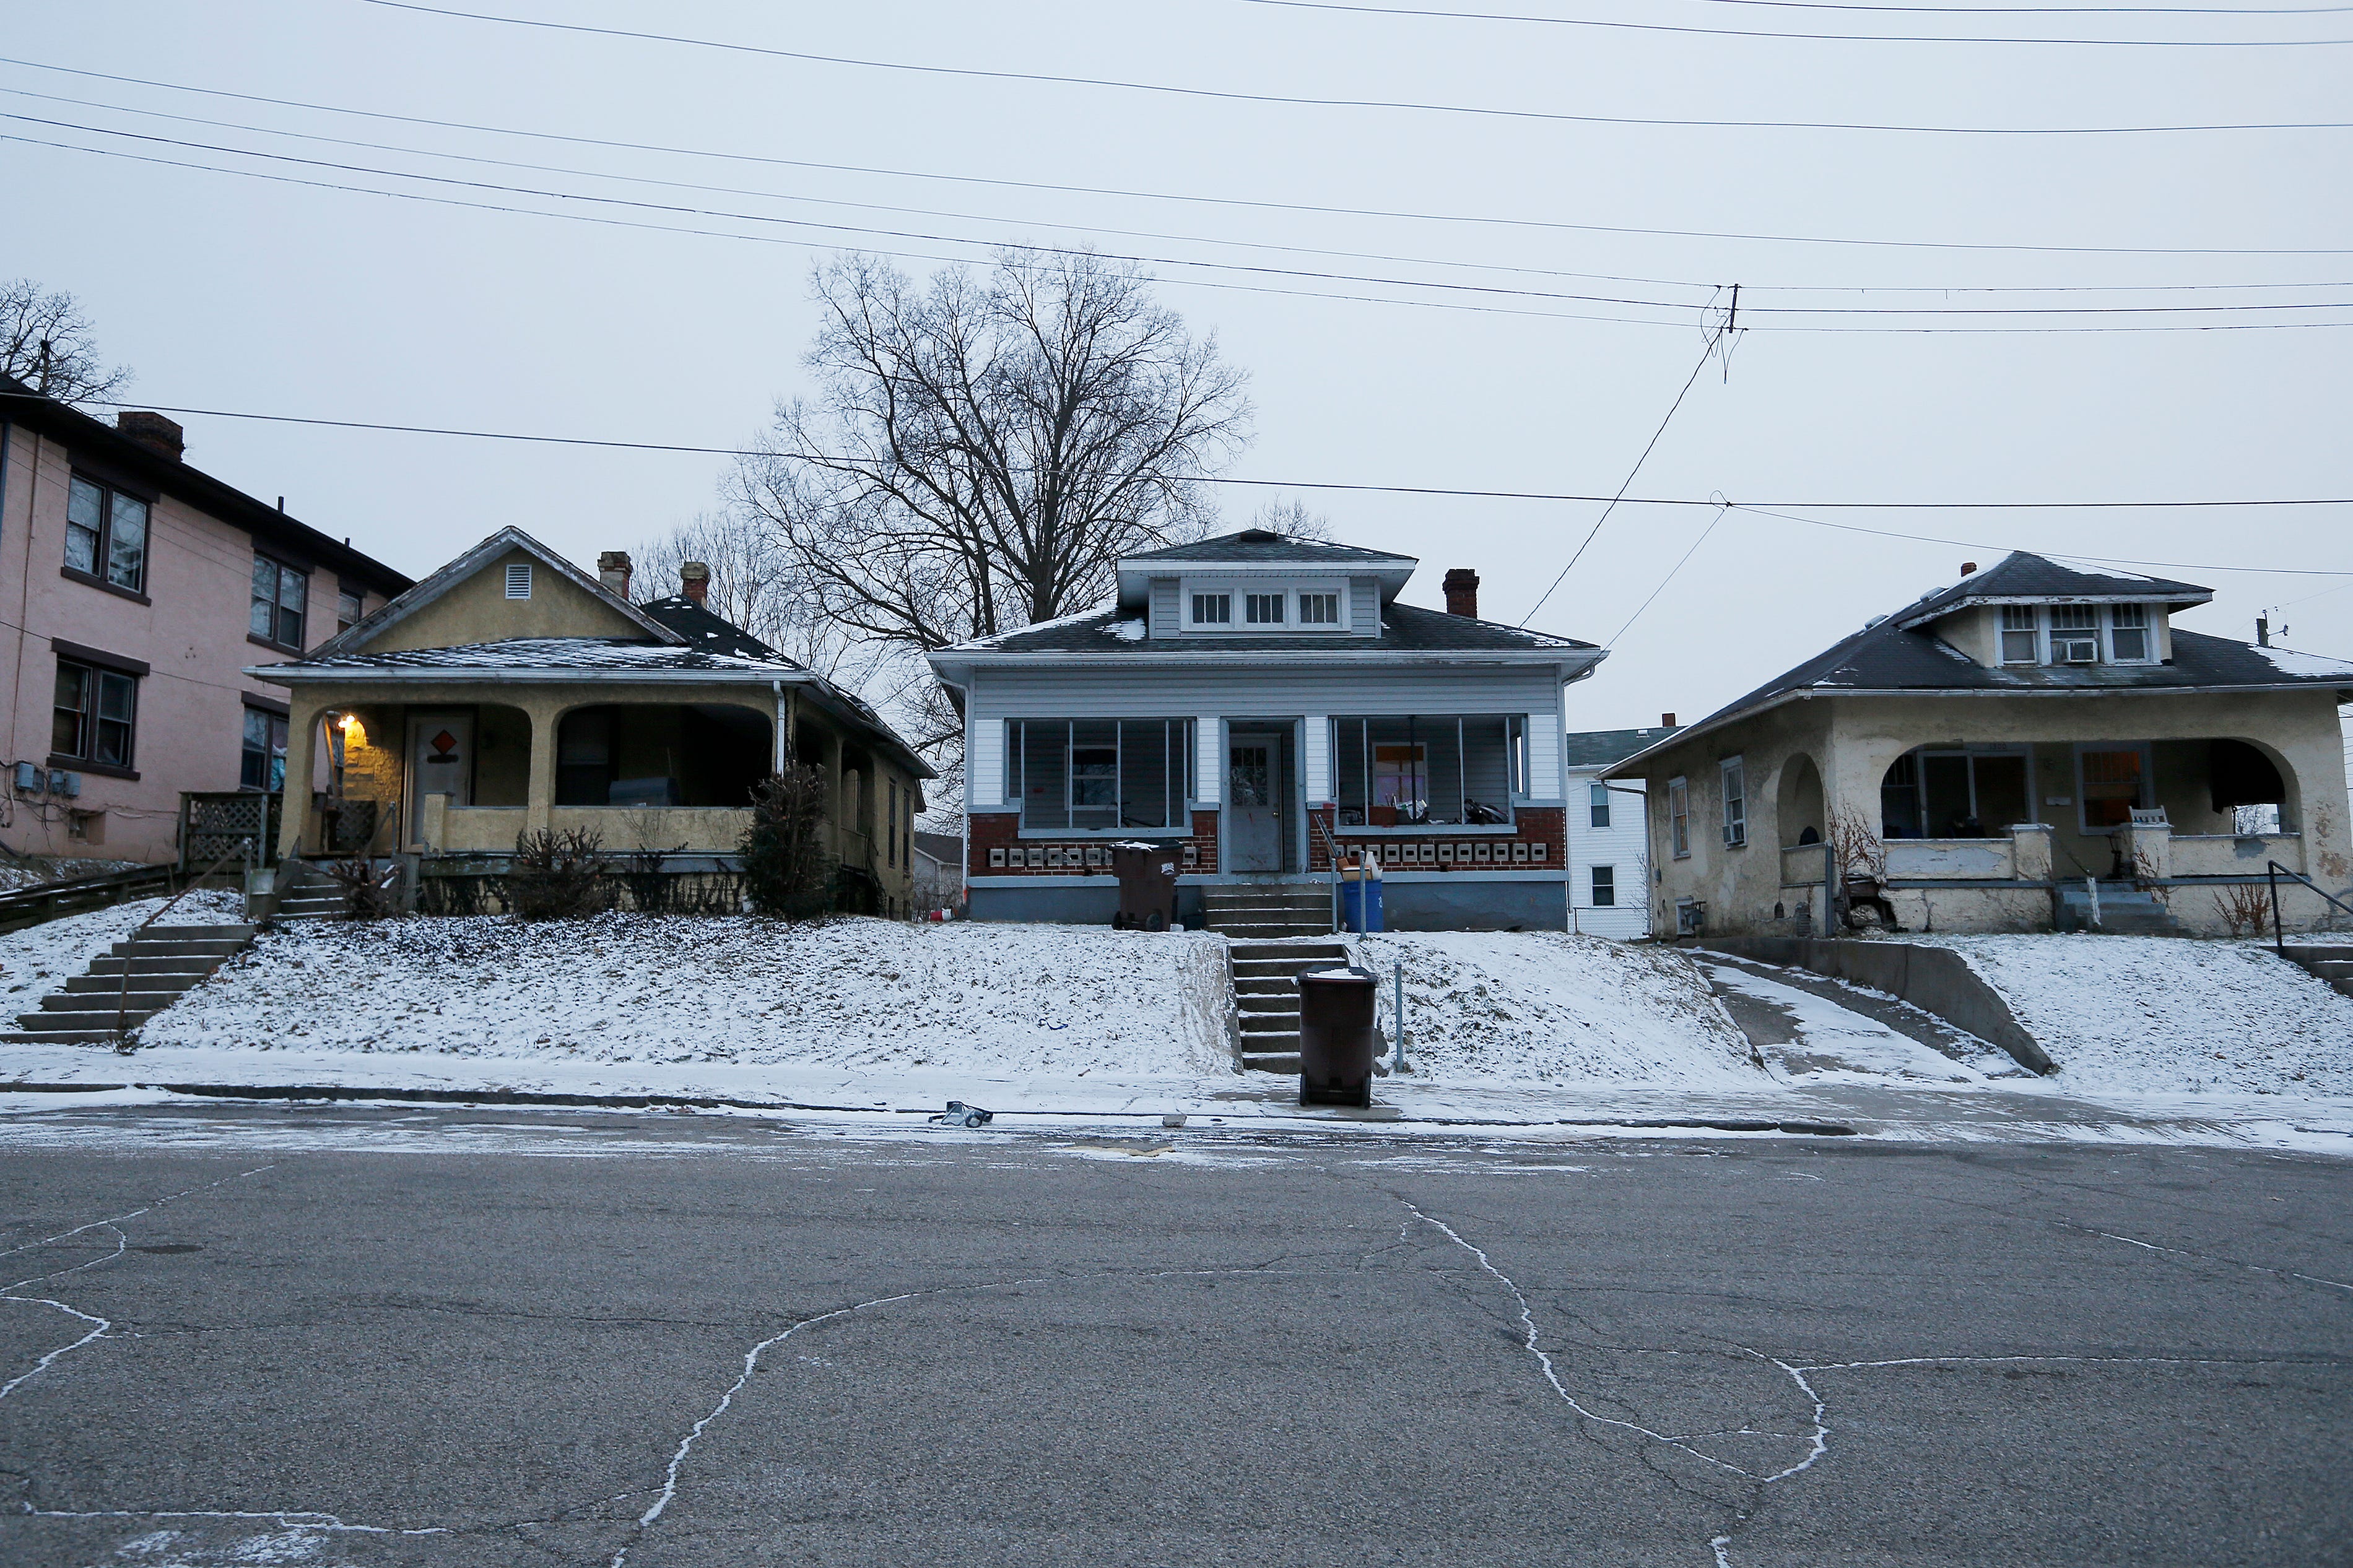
column 2012, row 751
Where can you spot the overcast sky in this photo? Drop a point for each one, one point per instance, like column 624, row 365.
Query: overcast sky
column 231, row 292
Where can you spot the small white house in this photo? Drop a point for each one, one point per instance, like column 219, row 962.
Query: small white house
column 1608, row 851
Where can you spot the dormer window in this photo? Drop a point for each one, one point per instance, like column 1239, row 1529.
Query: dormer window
column 1264, row 609
column 2128, row 634
column 1319, row 609
column 1213, row 609
column 1263, row 605
column 2019, row 643
column 2074, row 634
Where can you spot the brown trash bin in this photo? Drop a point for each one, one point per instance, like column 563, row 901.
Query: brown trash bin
column 1147, row 886
column 1336, row 1036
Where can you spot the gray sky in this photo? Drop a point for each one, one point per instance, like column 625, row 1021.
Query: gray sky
column 236, row 293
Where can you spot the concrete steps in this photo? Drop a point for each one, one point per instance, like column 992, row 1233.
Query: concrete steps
column 1266, row 995
column 129, row 984
column 1269, row 911
column 2329, row 962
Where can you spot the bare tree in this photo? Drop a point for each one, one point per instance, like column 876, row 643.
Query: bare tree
column 984, row 449
column 1292, row 519
column 46, row 342
column 754, row 585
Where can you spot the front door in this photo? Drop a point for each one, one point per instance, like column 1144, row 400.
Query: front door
column 1254, row 803
column 441, row 762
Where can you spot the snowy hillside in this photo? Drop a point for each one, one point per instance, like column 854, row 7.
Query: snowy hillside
column 39, row 959
column 1549, row 1007
column 2144, row 1013
column 629, row 988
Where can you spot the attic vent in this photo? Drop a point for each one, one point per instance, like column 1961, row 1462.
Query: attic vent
column 519, row 581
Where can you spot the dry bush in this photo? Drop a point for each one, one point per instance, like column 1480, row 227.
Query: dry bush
column 558, row 876
column 365, row 895
column 2245, row 908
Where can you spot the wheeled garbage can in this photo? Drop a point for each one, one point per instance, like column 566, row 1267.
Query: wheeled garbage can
column 1336, row 1037
column 1360, row 894
column 1147, row 886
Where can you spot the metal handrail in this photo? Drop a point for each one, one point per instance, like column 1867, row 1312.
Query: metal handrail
column 1332, row 855
column 122, row 995
column 2272, row 872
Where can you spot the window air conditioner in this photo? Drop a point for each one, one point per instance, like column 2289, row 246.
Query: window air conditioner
column 1690, row 917
column 2079, row 650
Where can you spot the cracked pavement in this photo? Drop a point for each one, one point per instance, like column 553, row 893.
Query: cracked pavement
column 339, row 1336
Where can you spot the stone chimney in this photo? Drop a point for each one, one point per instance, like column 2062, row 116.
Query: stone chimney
column 152, row 431
column 1463, row 593
column 694, row 580
column 1666, row 721
column 613, row 571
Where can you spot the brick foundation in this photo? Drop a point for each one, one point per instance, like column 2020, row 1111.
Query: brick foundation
column 997, row 849
column 1538, row 842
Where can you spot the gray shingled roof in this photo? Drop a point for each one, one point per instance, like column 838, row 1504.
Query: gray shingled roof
column 1405, row 629
column 1600, row 748
column 710, row 633
column 611, row 655
column 1263, row 545
column 2019, row 576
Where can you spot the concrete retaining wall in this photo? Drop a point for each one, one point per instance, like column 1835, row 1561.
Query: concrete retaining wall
column 1934, row 979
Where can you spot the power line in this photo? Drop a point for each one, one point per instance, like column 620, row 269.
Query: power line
column 1681, row 562
column 1302, row 274
column 1313, row 208
column 1822, row 37
column 1148, row 234
column 2050, row 10
column 1445, row 491
column 1297, row 101
column 1713, row 340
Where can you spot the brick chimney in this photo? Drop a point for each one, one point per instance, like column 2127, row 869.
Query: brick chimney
column 1969, row 568
column 1463, row 593
column 152, row 431
column 613, row 571
column 1666, row 721
column 694, row 580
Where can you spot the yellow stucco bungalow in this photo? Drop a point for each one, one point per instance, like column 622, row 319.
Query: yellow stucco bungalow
column 510, row 692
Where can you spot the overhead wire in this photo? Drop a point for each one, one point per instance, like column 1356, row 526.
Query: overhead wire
column 1242, row 202
column 1228, row 95
column 1613, row 25
column 408, row 151
column 1223, row 267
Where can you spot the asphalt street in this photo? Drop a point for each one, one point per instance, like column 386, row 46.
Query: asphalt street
column 332, row 1336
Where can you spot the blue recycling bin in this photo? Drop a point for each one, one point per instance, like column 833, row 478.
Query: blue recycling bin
column 1360, row 903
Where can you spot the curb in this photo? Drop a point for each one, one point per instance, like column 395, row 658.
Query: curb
column 345, row 1093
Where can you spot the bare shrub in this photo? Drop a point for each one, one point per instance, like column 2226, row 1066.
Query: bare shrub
column 558, row 876
column 367, row 892
column 2243, row 908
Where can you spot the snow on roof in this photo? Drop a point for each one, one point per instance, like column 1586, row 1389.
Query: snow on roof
column 547, row 653
column 2320, row 666
column 1071, row 620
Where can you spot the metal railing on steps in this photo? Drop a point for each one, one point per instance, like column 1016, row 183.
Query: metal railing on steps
column 2272, row 872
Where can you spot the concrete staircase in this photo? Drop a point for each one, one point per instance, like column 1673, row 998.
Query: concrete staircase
column 2125, row 910
column 161, row 961
column 1268, row 911
column 2329, row 962
column 1266, row 997
column 307, row 893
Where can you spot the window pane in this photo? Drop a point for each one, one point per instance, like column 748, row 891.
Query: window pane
column 1094, row 774
column 2074, row 617
column 72, row 700
column 1264, row 609
column 1213, row 609
column 290, row 626
column 1946, row 782
column 1600, row 805
column 1319, row 609
column 263, row 617
column 1605, row 886
column 1145, row 759
column 2129, row 643
column 113, row 744
column 114, row 695
column 1042, row 801
column 2111, row 787
column 85, row 520
column 265, row 580
column 126, row 552
column 257, row 729
column 349, row 610
column 293, row 587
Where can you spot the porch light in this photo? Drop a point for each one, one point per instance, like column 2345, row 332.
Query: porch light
column 349, row 724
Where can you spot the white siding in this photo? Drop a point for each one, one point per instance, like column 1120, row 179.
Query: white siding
column 984, row 773
column 1166, row 614
column 1623, row 846
column 1317, row 776
column 1118, row 689
column 1364, row 606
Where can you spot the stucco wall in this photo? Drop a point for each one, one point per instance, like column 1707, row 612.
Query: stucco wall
column 1852, row 741
column 477, row 610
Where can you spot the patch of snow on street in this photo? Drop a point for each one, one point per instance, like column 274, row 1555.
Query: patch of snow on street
column 871, row 995
column 2147, row 1014
column 1547, row 1007
column 39, row 959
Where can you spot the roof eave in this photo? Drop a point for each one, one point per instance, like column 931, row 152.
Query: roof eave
column 311, row 675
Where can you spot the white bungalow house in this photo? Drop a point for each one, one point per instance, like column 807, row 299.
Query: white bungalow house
column 1257, row 702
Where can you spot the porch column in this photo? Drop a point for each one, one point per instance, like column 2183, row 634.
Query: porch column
column 303, row 738
column 1316, row 759
column 1209, row 763
column 538, row 796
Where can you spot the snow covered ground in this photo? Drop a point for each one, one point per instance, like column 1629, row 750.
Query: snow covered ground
column 2137, row 1015
column 1551, row 1008
column 39, row 959
column 855, row 995
column 1831, row 1044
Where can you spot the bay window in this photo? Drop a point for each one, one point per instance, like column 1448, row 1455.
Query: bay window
column 1100, row 775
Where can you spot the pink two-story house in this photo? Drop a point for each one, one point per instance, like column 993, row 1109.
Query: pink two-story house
column 135, row 592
